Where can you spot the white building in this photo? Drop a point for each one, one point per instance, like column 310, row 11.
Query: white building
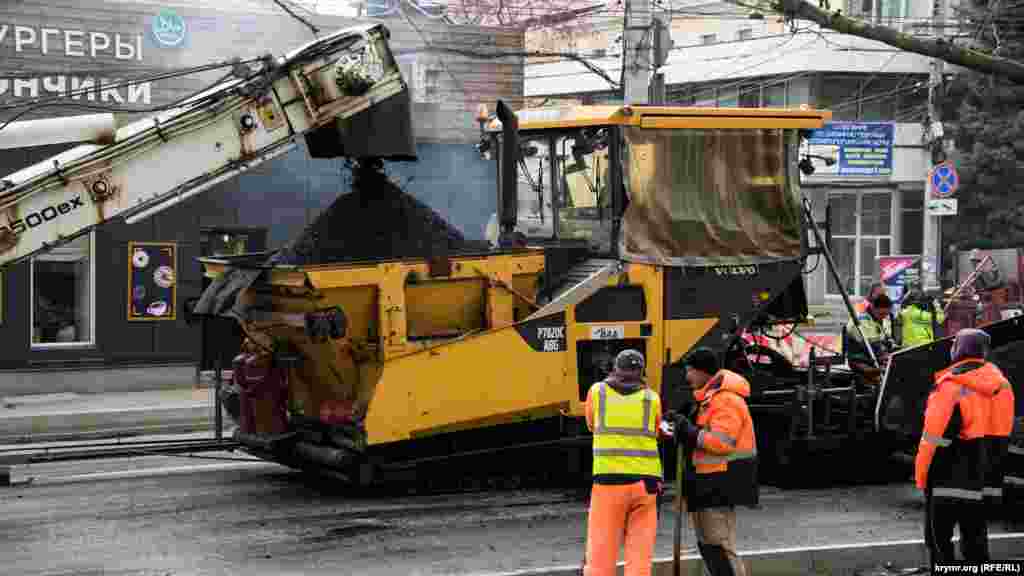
column 752, row 63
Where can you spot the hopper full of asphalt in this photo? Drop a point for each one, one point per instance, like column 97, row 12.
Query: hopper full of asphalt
column 375, row 220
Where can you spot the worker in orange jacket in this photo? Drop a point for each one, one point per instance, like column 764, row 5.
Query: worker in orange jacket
column 722, row 471
column 625, row 417
column 952, row 464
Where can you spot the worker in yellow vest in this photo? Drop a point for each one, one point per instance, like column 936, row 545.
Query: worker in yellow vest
column 625, row 417
column 920, row 319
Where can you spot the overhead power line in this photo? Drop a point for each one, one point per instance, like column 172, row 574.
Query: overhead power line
column 307, row 23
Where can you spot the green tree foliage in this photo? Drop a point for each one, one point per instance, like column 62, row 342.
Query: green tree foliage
column 985, row 116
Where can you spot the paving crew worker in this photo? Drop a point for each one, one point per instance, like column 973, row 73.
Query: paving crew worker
column 877, row 331
column 722, row 471
column 919, row 318
column 875, row 289
column 625, row 417
column 952, row 463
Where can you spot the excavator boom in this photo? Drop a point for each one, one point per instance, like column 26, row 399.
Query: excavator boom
column 331, row 91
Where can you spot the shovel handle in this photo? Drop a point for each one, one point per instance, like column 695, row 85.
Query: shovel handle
column 678, row 532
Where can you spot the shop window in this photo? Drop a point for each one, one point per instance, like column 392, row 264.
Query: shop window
column 913, row 102
column 62, row 289
column 876, row 214
column 750, row 96
column 880, row 98
column 728, row 97
column 706, row 96
column 432, row 85
column 846, row 264
column 684, row 97
column 912, row 222
column 775, row 95
column 840, row 94
column 861, row 232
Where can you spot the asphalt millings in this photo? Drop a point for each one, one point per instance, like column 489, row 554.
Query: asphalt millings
column 377, row 220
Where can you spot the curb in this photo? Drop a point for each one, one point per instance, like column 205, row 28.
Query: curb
column 96, row 380
column 73, row 425
column 839, row 560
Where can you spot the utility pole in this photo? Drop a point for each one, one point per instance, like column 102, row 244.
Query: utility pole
column 636, row 52
column 662, row 46
column 932, row 261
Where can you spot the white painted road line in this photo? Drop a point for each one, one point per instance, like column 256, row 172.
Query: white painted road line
column 153, row 472
column 836, row 559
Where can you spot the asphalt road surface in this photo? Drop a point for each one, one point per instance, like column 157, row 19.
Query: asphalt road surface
column 172, row 516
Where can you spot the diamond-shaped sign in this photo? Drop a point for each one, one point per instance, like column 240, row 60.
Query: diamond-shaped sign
column 944, row 179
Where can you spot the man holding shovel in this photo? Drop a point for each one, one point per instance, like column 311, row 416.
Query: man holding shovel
column 720, row 460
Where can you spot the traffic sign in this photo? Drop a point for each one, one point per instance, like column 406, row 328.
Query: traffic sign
column 944, row 180
column 942, row 207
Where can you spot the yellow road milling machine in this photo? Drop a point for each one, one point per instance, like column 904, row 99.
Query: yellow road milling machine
column 381, row 344
column 654, row 228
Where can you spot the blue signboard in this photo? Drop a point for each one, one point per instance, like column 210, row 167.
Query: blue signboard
column 865, row 148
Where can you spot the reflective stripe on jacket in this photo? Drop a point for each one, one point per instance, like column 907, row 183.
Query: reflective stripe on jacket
column 917, row 325
column 724, row 462
column 876, row 333
column 1000, row 428
column 952, row 457
column 625, row 427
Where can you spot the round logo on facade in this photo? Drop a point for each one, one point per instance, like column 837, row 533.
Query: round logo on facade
column 168, row 29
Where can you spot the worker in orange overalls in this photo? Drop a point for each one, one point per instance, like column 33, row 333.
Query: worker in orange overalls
column 722, row 472
column 952, row 458
column 625, row 417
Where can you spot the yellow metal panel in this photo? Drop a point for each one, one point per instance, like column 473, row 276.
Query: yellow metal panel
column 444, row 308
column 709, row 122
column 681, row 335
column 823, row 115
column 482, row 377
column 462, row 268
column 578, row 116
column 292, row 278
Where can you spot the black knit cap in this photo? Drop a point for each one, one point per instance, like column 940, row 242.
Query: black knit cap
column 703, row 359
column 882, row 301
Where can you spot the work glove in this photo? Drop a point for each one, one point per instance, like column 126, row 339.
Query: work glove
column 686, row 432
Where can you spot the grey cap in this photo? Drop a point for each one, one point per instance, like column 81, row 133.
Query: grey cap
column 629, row 361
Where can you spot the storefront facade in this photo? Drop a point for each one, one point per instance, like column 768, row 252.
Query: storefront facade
column 873, row 214
column 86, row 302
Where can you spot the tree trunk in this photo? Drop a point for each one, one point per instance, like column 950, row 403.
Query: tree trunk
column 935, row 48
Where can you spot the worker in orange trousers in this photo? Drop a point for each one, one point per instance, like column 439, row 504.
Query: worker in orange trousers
column 625, row 418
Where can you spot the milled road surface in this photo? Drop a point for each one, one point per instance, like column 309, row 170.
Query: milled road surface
column 93, row 518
